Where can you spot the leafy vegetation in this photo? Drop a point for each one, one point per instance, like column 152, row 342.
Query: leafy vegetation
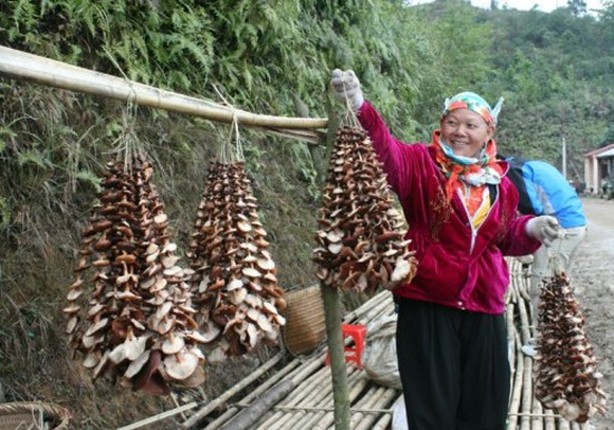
column 554, row 70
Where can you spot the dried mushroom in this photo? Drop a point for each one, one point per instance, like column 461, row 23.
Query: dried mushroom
column 137, row 315
column 360, row 243
column 567, row 379
column 235, row 287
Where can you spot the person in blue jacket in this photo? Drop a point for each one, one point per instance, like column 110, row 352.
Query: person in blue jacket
column 545, row 191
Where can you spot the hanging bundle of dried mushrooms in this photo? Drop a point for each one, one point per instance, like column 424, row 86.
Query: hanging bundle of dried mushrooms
column 235, row 287
column 360, row 241
column 567, row 379
column 136, row 322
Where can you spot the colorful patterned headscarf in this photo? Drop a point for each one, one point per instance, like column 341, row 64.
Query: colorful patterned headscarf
column 475, row 103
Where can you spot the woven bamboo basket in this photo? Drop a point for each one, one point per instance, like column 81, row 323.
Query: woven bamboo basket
column 33, row 416
column 305, row 327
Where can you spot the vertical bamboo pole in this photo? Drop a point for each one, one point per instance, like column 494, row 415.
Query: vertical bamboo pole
column 341, row 397
column 537, row 421
column 550, row 420
column 332, row 317
column 564, row 424
column 514, row 408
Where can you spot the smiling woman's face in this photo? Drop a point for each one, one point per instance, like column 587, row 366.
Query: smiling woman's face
column 465, row 132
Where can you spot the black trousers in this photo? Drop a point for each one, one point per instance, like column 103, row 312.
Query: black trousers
column 454, row 367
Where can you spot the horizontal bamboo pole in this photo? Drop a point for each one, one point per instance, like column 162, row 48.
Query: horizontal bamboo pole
column 308, row 378
column 159, row 417
column 309, row 388
column 245, row 419
column 371, row 308
column 211, row 406
column 323, row 399
column 357, row 385
column 276, row 377
column 24, row 66
column 532, row 414
column 323, row 409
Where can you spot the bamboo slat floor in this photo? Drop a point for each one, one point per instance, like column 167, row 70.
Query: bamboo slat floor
column 308, row 404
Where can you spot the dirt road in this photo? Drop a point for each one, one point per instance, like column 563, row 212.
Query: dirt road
column 593, row 277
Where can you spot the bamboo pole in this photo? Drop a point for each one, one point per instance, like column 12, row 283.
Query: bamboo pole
column 527, row 383
column 322, row 422
column 175, row 399
column 563, row 424
column 525, row 287
column 516, row 388
column 29, row 67
column 378, row 310
column 363, row 311
column 515, row 356
column 387, row 397
column 313, row 419
column 510, row 294
column 364, row 403
column 511, row 345
column 332, row 314
column 306, row 378
column 159, row 417
column 527, row 394
column 383, row 423
column 330, row 409
column 318, row 406
column 550, row 421
column 245, row 419
column 537, row 421
column 305, row 395
column 323, row 407
column 222, row 419
column 199, row 415
column 289, row 372
column 531, row 415
column 376, row 397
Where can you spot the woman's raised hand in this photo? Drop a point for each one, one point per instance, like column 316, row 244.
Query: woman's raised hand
column 346, row 87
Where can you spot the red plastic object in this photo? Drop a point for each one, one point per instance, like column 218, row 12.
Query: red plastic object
column 353, row 352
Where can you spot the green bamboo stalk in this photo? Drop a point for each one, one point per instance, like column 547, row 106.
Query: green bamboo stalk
column 341, row 396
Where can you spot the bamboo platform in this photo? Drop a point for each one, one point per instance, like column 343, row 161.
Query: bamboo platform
column 297, row 393
column 301, row 392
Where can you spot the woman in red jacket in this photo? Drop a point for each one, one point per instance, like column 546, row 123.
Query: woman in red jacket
column 461, row 212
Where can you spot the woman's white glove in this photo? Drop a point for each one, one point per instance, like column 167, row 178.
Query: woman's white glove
column 347, row 87
column 544, row 228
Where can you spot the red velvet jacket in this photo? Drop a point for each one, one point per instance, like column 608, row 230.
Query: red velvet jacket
column 457, row 266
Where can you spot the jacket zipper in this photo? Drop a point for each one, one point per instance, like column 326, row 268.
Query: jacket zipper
column 474, row 231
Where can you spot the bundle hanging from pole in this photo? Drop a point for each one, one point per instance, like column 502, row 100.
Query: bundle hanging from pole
column 360, row 243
